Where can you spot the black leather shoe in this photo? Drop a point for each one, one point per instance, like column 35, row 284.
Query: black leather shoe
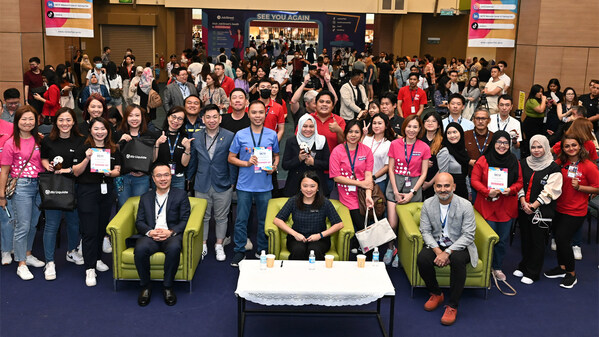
column 169, row 296
column 144, row 297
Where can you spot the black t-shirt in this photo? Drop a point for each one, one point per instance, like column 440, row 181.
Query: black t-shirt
column 396, row 123
column 88, row 177
column 64, row 147
column 83, row 128
column 298, row 114
column 164, row 152
column 314, row 83
column 384, row 69
column 592, row 106
column 484, row 75
column 228, row 123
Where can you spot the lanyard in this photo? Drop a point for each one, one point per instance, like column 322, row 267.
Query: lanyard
column 372, row 145
column 506, row 123
column 459, row 120
column 259, row 139
column 444, row 221
column 481, row 150
column 408, row 159
column 413, row 96
column 171, row 148
column 352, row 163
column 160, row 207
column 214, row 140
column 268, row 109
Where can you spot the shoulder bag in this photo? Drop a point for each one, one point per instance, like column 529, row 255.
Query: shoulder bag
column 379, row 233
column 11, row 185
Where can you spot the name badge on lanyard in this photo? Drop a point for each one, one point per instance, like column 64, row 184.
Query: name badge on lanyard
column 103, row 188
column 572, row 171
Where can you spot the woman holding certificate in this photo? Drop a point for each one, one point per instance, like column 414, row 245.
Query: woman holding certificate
column 581, row 178
column 21, row 160
column 497, row 178
column 97, row 162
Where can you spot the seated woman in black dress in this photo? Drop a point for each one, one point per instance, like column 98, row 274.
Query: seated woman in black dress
column 309, row 210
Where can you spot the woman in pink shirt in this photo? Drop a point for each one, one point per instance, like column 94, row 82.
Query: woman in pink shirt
column 21, row 158
column 408, row 165
column 350, row 165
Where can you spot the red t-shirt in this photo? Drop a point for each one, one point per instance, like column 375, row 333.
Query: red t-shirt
column 411, row 98
column 228, row 85
column 274, row 115
column 588, row 145
column 573, row 202
column 33, row 81
column 52, row 104
column 323, row 128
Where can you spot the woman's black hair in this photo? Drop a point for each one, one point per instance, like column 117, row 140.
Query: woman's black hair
column 318, row 198
column 533, row 92
column 351, row 124
column 477, row 83
column 173, row 110
column 113, row 112
column 556, row 82
column 51, row 77
column 389, row 133
column 442, row 85
column 111, row 71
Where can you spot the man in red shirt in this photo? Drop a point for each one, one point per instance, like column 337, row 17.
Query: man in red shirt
column 226, row 82
column 32, row 78
column 411, row 98
column 328, row 124
column 275, row 116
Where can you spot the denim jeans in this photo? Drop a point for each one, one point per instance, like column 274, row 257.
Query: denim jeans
column 177, row 182
column 133, row 187
column 7, row 227
column 25, row 201
column 503, row 230
column 53, row 218
column 244, row 205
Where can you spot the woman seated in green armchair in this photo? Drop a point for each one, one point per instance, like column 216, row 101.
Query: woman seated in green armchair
column 309, row 210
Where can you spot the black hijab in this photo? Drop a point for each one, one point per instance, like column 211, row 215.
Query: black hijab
column 506, row 160
column 458, row 150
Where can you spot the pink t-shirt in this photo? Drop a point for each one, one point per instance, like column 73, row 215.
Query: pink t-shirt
column 16, row 158
column 397, row 151
column 5, row 132
column 339, row 165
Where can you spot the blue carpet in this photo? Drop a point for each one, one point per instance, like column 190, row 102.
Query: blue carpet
column 66, row 307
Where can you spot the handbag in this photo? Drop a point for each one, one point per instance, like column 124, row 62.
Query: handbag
column 379, row 201
column 137, row 156
column 154, row 100
column 57, row 191
column 11, row 184
column 379, row 233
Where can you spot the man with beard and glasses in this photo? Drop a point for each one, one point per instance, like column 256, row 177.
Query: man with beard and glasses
column 447, row 225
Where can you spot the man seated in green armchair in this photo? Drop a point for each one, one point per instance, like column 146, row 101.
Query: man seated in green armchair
column 447, row 225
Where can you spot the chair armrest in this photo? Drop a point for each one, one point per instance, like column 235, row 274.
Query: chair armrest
column 346, row 233
column 193, row 237
column 120, row 228
column 485, row 238
column 270, row 229
column 409, row 228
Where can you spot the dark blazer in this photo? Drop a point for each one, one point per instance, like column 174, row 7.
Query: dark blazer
column 215, row 172
column 177, row 211
column 296, row 168
column 84, row 95
column 174, row 97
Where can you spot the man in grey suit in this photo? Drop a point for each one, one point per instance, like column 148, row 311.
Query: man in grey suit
column 447, row 225
column 176, row 92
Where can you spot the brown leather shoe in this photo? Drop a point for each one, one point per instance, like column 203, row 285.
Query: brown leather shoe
column 434, row 302
column 449, row 316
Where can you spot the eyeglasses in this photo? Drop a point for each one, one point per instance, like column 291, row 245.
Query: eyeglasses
column 503, row 143
column 12, row 103
column 178, row 119
column 193, row 103
column 480, row 118
column 162, row 175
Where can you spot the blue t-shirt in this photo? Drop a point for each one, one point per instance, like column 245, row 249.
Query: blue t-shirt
column 249, row 180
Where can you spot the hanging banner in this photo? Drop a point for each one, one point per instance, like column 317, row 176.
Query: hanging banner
column 231, row 28
column 72, row 18
column 493, row 23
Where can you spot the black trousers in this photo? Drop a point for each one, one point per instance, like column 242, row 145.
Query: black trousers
column 457, row 277
column 301, row 250
column 94, row 212
column 534, row 241
column 146, row 246
column 358, row 221
column 564, row 227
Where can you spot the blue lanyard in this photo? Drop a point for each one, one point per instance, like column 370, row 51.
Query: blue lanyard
column 413, row 96
column 498, row 119
column 484, row 143
column 444, row 221
column 172, row 148
column 160, row 207
column 352, row 163
column 210, row 95
column 408, row 159
column 459, row 120
column 259, row 139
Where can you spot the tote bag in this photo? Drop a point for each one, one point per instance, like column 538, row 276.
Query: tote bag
column 137, row 156
column 57, row 191
column 380, row 232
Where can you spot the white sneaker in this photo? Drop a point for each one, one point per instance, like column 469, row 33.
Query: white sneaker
column 526, row 280
column 249, row 245
column 50, row 271
column 6, row 258
column 31, row 260
column 80, row 247
column 553, row 245
column 106, row 246
column 577, row 252
column 204, row 251
column 101, row 266
column 226, row 241
column 90, row 277
column 24, row 273
column 220, row 252
column 518, row 273
column 73, row 256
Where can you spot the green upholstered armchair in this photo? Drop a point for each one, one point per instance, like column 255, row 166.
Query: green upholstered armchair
column 122, row 226
column 277, row 239
column 410, row 242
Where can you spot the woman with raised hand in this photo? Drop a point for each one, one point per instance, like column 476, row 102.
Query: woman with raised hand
column 172, row 147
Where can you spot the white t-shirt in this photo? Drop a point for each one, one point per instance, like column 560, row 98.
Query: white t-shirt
column 444, row 210
column 506, row 80
column 116, row 83
column 465, row 123
column 510, row 125
column 279, row 75
column 161, row 217
column 490, row 86
column 380, row 153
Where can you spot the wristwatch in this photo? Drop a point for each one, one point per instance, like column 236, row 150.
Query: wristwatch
column 448, row 251
column 413, row 190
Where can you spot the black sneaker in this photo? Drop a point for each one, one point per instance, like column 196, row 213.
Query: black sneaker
column 237, row 258
column 568, row 281
column 556, row 272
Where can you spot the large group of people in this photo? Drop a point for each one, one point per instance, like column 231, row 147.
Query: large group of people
column 422, row 130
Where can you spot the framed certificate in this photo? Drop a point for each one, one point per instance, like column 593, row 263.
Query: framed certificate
column 100, row 161
column 497, row 178
column 264, row 155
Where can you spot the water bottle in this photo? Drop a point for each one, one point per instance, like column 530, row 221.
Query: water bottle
column 312, row 260
column 375, row 255
column 263, row 260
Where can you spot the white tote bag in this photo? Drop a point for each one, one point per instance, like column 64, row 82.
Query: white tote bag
column 379, row 233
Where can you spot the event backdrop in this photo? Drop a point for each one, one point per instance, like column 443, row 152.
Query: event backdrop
column 493, row 23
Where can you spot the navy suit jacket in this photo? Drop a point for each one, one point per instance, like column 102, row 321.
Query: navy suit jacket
column 177, row 211
column 215, row 172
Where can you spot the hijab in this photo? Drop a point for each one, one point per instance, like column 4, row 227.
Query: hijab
column 506, row 160
column 458, row 150
column 85, row 62
column 145, row 83
column 94, row 87
column 316, row 138
column 538, row 164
